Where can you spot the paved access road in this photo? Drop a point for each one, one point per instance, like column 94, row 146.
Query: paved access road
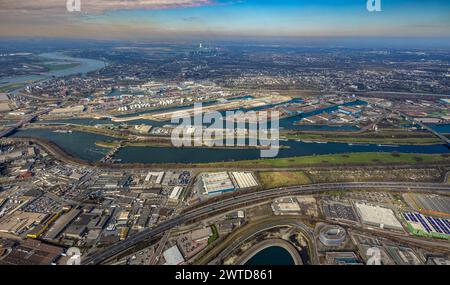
column 250, row 198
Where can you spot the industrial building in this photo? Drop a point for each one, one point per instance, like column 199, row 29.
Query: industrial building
column 173, row 256
column 244, row 179
column 403, row 255
column 68, row 110
column 175, row 193
column 154, row 177
column 222, row 182
column 285, row 206
column 111, row 180
column 19, row 222
column 383, row 218
column 33, row 252
column 353, row 111
column 123, row 216
column 332, row 235
column 342, row 258
column 79, row 227
column 143, row 129
column 60, row 224
column 217, row 183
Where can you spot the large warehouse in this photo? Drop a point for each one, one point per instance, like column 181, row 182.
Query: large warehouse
column 378, row 216
column 217, row 183
column 244, row 179
column 222, row 182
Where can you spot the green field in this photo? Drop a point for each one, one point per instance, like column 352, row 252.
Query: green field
column 385, row 137
column 7, row 88
column 271, row 180
column 369, row 158
column 421, row 233
column 214, row 236
column 57, row 67
column 113, row 144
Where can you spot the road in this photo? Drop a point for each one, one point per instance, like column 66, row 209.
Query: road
column 251, row 198
column 436, row 133
column 158, row 251
column 27, row 120
column 417, row 122
column 372, row 125
column 282, row 221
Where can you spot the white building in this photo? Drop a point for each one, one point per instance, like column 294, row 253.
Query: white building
column 378, row 216
column 175, row 193
column 244, row 179
column 216, row 183
column 173, row 256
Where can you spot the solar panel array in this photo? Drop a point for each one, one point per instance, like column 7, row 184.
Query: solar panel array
column 430, row 224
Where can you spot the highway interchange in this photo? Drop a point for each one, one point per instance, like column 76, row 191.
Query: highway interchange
column 218, row 207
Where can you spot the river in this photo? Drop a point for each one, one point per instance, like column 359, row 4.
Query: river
column 83, row 145
column 85, row 65
column 77, row 144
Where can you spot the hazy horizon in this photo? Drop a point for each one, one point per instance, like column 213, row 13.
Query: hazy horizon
column 173, row 19
column 297, row 42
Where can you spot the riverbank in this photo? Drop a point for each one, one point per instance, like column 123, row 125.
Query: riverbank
column 78, row 128
column 394, row 137
column 167, row 143
column 69, row 66
column 349, row 159
column 10, row 87
column 338, row 161
column 124, row 138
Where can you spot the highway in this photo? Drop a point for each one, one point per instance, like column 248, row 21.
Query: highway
column 283, row 221
column 247, row 199
column 422, row 125
column 436, row 133
column 27, row 120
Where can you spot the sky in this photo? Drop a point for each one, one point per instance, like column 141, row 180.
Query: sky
column 148, row 19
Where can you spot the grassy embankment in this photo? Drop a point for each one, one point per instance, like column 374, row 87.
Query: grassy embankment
column 151, row 142
column 121, row 138
column 57, row 67
column 398, row 137
column 276, row 179
column 10, row 87
column 369, row 158
column 114, row 144
column 271, row 180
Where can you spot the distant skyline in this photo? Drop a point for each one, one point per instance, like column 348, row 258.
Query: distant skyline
column 171, row 19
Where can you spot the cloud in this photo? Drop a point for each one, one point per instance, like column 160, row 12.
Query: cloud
column 50, row 18
column 95, row 6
